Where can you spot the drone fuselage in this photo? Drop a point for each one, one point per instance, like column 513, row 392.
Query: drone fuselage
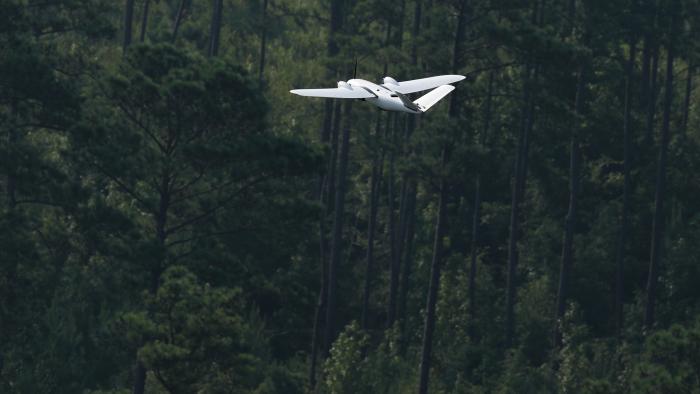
column 384, row 97
column 390, row 95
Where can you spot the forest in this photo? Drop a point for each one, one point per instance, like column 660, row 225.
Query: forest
column 173, row 220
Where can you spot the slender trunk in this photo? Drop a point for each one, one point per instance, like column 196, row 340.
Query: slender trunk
column 328, row 121
column 375, row 181
column 407, row 261
column 417, row 13
column 624, row 221
column 440, row 226
column 429, row 325
column 660, row 194
column 263, row 39
column 12, row 138
column 215, row 29
column 156, row 270
column 394, row 260
column 476, row 218
column 410, row 198
column 182, row 9
column 329, row 135
column 686, row 104
column 318, row 322
column 128, row 23
column 570, row 222
column 333, row 162
column 517, row 196
column 337, row 240
column 651, row 100
column 530, row 76
column 646, row 66
column 144, row 19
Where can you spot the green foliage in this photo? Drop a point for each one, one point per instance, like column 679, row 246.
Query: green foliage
column 163, row 207
column 352, row 368
column 191, row 332
column 669, row 361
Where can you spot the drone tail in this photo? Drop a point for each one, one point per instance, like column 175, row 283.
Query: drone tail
column 432, row 97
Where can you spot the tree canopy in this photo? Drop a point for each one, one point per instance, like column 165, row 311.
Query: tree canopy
column 174, row 221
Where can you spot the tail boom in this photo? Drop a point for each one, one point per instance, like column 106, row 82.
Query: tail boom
column 431, row 98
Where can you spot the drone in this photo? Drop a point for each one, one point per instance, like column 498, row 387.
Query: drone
column 390, row 95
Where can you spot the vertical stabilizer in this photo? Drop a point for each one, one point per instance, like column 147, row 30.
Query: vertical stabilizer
column 435, row 95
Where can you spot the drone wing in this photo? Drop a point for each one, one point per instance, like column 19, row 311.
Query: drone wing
column 418, row 85
column 348, row 93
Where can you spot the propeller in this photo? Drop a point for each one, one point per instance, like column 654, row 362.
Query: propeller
column 354, row 73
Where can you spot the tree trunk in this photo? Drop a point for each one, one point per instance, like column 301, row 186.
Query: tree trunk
column 517, row 196
column 570, row 223
column 144, row 19
column 476, row 218
column 530, row 76
column 644, row 78
column 215, row 29
column 337, row 240
column 326, row 196
column 375, row 182
column 416, row 32
column 686, row 104
column 440, row 226
column 263, row 39
column 160, row 218
column 318, row 321
column 660, row 194
column 429, row 325
column 651, row 100
column 128, row 23
column 178, row 18
column 407, row 260
column 409, row 199
column 393, row 255
column 328, row 121
column 12, row 138
column 624, row 221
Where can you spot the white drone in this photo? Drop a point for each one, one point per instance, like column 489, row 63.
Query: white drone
column 390, row 95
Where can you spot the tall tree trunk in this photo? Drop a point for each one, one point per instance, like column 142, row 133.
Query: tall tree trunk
column 328, row 121
column 375, row 182
column 517, row 197
column 337, row 240
column 417, row 13
column 160, row 221
column 394, row 239
column 410, row 213
column 686, row 103
column 215, row 30
column 651, row 100
column 429, row 325
column 570, row 223
column 12, row 138
column 144, row 19
column 624, row 221
column 330, row 136
column 128, row 23
column 646, row 66
column 393, row 255
column 182, row 9
column 410, row 197
column 660, row 194
column 453, row 112
column 476, row 218
column 530, row 75
column 318, row 320
column 263, row 42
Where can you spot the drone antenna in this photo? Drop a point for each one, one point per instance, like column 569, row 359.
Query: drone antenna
column 354, row 73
